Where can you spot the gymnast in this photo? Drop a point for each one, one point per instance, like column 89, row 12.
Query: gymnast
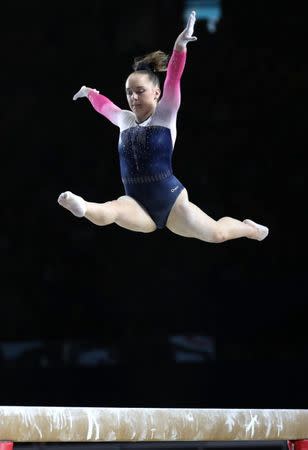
column 154, row 197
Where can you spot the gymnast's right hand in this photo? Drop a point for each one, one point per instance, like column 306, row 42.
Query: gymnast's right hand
column 83, row 92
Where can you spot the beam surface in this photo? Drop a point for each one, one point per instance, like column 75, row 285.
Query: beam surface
column 65, row 424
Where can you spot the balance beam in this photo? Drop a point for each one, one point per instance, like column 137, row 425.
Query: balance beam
column 64, row 424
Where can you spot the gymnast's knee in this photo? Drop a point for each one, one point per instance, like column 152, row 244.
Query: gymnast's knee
column 218, row 235
column 103, row 214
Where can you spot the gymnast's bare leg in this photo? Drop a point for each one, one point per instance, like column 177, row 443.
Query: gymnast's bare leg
column 186, row 219
column 124, row 211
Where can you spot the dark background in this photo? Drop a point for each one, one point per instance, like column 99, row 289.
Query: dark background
column 239, row 151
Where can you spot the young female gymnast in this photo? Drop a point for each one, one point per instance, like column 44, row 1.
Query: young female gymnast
column 154, row 198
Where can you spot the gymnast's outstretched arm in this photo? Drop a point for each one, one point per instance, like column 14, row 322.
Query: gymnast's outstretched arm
column 101, row 104
column 172, row 95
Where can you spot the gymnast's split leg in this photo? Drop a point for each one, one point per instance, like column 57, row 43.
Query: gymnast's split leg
column 188, row 220
column 124, row 211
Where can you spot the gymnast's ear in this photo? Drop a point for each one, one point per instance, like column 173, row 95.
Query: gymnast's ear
column 157, row 93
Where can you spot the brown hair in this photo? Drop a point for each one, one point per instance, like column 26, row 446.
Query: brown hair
column 151, row 64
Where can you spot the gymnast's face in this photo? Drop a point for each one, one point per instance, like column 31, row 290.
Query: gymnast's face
column 142, row 95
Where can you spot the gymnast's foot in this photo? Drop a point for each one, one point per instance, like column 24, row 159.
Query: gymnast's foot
column 261, row 230
column 73, row 203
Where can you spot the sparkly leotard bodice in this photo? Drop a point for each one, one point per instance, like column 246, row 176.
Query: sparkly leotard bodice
column 145, row 154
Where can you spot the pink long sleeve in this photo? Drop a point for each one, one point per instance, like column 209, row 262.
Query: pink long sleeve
column 105, row 106
column 172, row 93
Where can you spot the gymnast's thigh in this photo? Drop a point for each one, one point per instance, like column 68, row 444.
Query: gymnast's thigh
column 132, row 216
column 180, row 203
column 187, row 219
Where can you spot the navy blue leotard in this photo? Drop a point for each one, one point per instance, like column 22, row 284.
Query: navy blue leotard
column 145, row 161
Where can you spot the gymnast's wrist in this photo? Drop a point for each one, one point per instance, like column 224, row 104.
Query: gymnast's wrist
column 91, row 92
column 180, row 48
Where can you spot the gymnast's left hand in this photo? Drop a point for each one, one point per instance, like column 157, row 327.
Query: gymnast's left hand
column 187, row 34
column 83, row 92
